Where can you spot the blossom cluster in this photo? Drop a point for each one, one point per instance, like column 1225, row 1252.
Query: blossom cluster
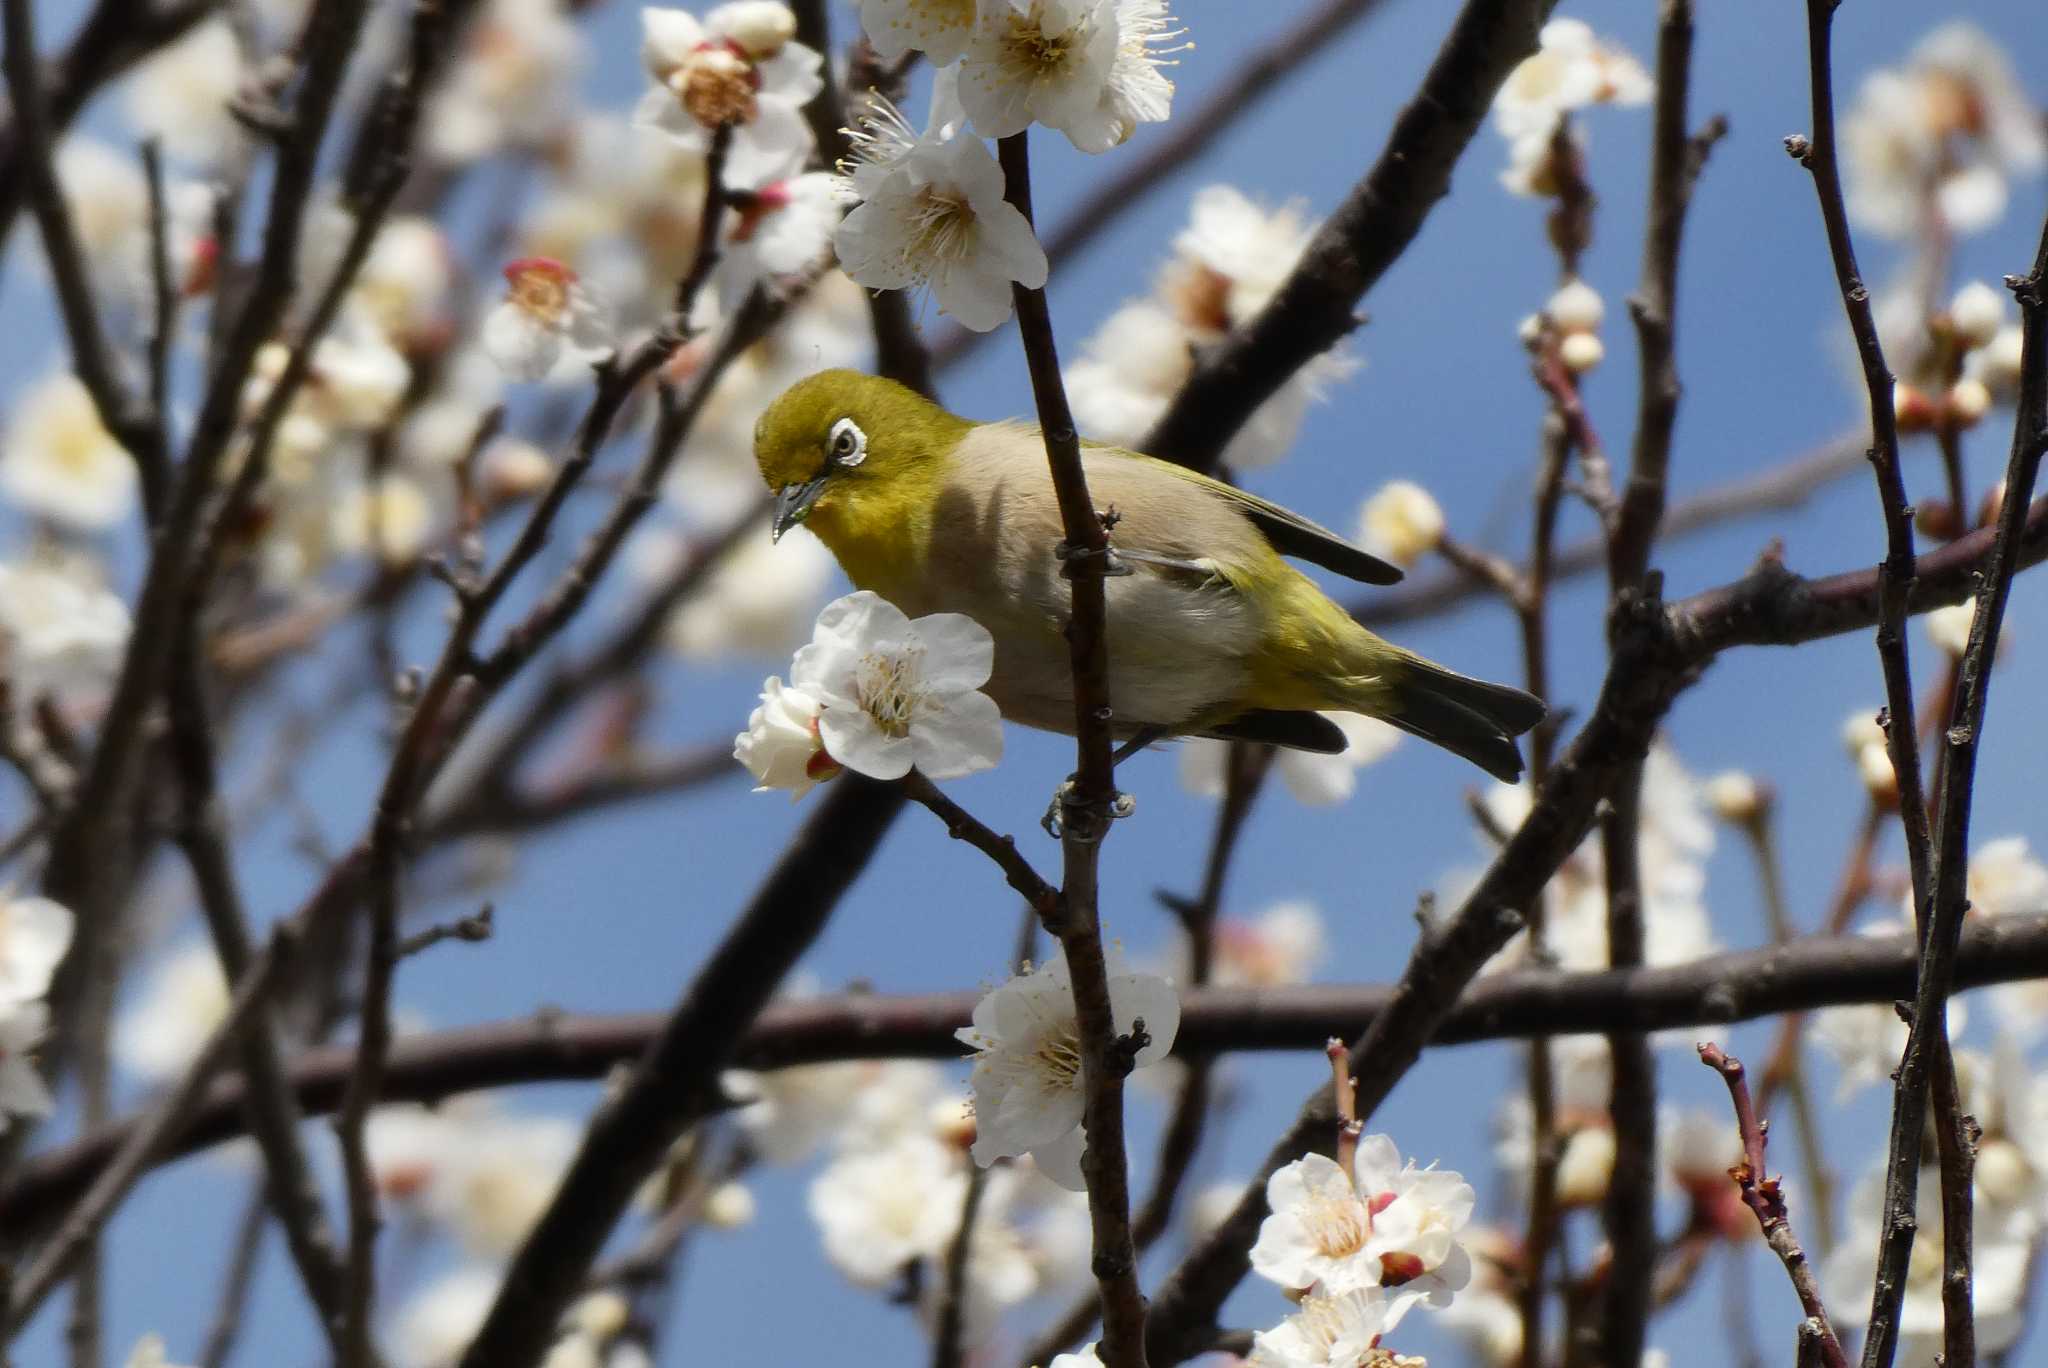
column 35, row 935
column 1356, row 1248
column 930, row 206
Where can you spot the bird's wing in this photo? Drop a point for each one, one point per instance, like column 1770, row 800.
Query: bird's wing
column 1289, row 533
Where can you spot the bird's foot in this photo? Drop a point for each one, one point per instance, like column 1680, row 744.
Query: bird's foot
column 1067, row 814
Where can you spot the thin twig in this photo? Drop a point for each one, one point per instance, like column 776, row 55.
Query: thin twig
column 1085, row 812
column 962, row 825
column 1762, row 1195
column 237, row 1283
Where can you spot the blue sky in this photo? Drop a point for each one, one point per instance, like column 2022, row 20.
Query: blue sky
column 613, row 915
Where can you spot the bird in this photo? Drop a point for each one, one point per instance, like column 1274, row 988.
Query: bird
column 1210, row 630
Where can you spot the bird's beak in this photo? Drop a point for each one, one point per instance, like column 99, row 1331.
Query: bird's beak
column 793, row 504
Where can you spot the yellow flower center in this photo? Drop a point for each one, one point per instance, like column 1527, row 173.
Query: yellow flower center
column 1340, row 1226
column 1060, row 1054
column 941, row 228
column 716, row 86
column 886, row 686
column 1027, row 45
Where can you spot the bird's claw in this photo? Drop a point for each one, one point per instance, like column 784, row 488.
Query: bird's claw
column 1113, row 565
column 1067, row 813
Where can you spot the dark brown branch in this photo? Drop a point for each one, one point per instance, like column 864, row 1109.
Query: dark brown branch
column 1085, row 810
column 1762, row 1195
column 88, row 869
column 1741, row 986
column 1315, row 308
column 1629, row 1213
column 114, row 37
column 143, row 1142
column 1244, row 775
column 1927, row 1051
column 237, row 1283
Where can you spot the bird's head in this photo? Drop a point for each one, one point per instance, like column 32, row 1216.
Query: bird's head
column 839, row 441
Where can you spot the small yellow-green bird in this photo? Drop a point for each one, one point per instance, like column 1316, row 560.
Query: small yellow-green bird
column 1211, row 633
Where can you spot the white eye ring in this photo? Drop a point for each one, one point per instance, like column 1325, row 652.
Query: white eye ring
column 847, row 445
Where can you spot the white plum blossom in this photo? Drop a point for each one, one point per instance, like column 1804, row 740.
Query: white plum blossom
column 2006, row 879
column 35, row 935
column 894, row 693
column 757, row 600
column 2003, row 1240
column 1313, row 780
column 1086, row 1358
column 547, row 314
column 183, row 999
column 392, row 520
column 788, row 1113
column 1040, row 61
column 940, row 29
column 1949, row 627
column 1233, row 256
column 149, row 1352
column 1227, row 263
column 499, row 1177
column 406, row 281
column 1401, row 523
column 437, row 1324
column 1933, row 146
column 1026, row 1079
column 737, row 68
column 1317, row 1231
column 22, row 1090
column 1331, row 1331
column 58, row 460
column 1138, row 91
column 932, row 214
column 1282, row 946
column 59, row 630
column 180, row 96
column 880, row 1209
column 1570, row 70
column 783, row 228
column 1386, row 1224
column 512, row 83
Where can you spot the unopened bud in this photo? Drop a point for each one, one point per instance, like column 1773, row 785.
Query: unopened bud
column 1530, row 330
column 1580, row 352
column 1937, row 518
column 1968, row 401
column 1949, row 628
column 1736, row 798
column 1860, row 729
column 2004, row 1176
column 515, row 470
column 1915, row 411
column 1401, row 522
column 952, row 1122
column 759, row 26
column 1880, row 780
column 1998, row 363
column 729, row 1207
column 601, row 1316
column 1576, row 307
column 1975, row 314
column 1586, row 1167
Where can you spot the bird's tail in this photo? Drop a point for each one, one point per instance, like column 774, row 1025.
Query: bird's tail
column 1467, row 717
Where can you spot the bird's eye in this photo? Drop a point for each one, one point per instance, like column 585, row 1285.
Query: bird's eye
column 848, row 444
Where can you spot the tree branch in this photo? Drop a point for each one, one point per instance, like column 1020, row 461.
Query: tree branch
column 1314, row 309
